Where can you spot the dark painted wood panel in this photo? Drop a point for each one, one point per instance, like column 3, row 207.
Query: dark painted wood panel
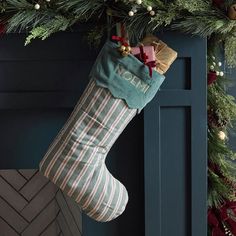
column 54, row 48
column 26, row 134
column 39, row 100
column 175, row 145
column 43, row 75
column 175, row 172
column 182, row 69
column 40, row 85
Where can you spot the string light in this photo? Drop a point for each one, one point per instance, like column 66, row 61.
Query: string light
column 36, row 6
column 152, row 13
column 131, row 13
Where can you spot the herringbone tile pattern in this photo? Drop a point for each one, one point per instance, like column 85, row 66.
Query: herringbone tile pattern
column 31, row 205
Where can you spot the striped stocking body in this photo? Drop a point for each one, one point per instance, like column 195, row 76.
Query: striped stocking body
column 75, row 161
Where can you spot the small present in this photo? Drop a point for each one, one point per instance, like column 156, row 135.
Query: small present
column 148, row 50
column 146, row 54
column 164, row 55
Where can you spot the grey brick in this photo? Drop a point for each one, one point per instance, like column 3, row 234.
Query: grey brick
column 6, row 230
column 27, row 173
column 11, row 195
column 45, row 218
column 63, row 225
column 14, row 178
column 74, row 228
column 39, row 201
column 12, row 217
column 75, row 211
column 33, row 186
column 51, row 230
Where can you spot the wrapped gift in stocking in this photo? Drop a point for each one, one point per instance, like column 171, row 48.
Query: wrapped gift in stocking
column 118, row 89
column 165, row 55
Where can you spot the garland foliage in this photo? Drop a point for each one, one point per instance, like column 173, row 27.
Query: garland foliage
column 205, row 18
column 197, row 17
column 222, row 170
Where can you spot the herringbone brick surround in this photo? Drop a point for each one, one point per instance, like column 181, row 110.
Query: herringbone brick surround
column 31, row 205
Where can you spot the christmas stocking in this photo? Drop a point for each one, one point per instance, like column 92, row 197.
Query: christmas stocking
column 118, row 89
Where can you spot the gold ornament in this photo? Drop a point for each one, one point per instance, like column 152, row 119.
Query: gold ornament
column 232, row 12
column 128, row 49
column 125, row 53
column 122, row 48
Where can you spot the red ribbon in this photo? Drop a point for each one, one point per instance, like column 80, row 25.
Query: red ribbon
column 211, row 77
column 215, row 224
column 226, row 214
column 143, row 57
column 120, row 39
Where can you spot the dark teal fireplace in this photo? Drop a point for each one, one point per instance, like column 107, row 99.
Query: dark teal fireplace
column 161, row 157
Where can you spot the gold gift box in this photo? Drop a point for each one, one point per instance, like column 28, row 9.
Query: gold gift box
column 165, row 55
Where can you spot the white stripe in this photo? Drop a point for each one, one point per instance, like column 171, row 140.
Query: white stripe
column 112, row 195
column 101, row 197
column 89, row 177
column 126, row 121
column 55, row 157
column 81, row 173
column 95, row 188
column 83, row 152
column 106, row 119
column 76, row 144
column 99, row 179
column 113, row 190
column 102, row 142
column 98, row 183
column 128, row 117
column 117, row 203
column 106, row 137
column 70, row 119
column 65, row 143
column 118, row 200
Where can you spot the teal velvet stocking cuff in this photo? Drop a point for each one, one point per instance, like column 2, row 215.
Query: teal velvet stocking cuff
column 126, row 77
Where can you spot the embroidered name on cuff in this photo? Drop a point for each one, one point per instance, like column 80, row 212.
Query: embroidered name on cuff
column 132, row 79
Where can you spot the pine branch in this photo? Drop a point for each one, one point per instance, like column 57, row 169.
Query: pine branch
column 230, row 49
column 193, row 6
column 26, row 19
column 59, row 23
column 82, row 9
column 16, row 5
column 219, row 190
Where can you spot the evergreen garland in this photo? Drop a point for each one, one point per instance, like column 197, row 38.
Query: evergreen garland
column 221, row 165
column 197, row 17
